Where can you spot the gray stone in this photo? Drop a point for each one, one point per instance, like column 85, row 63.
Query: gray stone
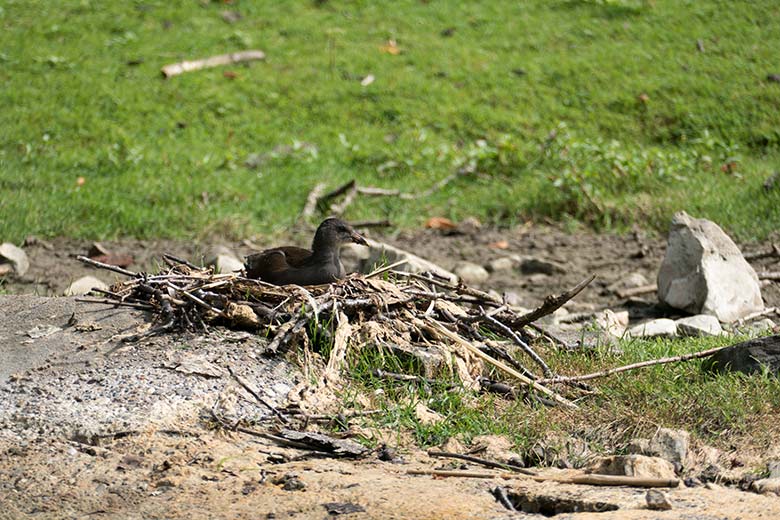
column 531, row 265
column 223, row 260
column 381, row 254
column 512, row 298
column 15, row 257
column 84, row 285
column 699, row 325
column 704, row 272
column 748, row 357
column 612, row 323
column 470, row 273
column 766, row 486
column 633, row 466
column 353, row 256
column 773, row 467
column 500, row 264
column 760, row 327
column 660, row 328
column 671, row 445
column 657, row 500
column 630, row 281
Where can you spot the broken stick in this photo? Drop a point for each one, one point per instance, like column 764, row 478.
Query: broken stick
column 589, row 479
column 174, row 69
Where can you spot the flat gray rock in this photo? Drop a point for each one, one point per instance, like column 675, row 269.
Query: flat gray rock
column 660, row 328
column 699, row 325
column 704, row 272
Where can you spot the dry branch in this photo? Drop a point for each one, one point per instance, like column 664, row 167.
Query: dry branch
column 550, row 305
column 591, row 479
column 175, row 69
column 633, row 366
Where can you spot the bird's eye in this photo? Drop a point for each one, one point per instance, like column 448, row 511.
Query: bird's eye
column 343, row 229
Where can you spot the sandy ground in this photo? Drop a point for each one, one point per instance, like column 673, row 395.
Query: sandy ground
column 91, row 427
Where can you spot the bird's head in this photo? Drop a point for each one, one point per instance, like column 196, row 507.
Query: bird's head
column 335, row 232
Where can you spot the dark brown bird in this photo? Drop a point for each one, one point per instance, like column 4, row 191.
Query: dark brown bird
column 295, row 265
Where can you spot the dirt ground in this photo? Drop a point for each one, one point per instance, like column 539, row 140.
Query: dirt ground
column 94, row 428
column 612, row 258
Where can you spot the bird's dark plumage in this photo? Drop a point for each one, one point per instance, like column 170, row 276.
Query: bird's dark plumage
column 295, row 265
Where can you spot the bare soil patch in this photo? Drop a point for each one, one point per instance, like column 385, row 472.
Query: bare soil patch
column 93, row 427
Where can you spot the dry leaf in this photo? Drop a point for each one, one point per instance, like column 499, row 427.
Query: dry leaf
column 391, row 47
column 229, row 74
column 439, row 223
column 80, row 181
column 643, row 98
column 500, row 244
column 367, row 80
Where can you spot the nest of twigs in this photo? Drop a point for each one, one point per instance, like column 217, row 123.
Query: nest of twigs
column 387, row 308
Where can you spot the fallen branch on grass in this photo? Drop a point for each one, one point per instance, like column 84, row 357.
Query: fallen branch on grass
column 174, row 69
column 633, row 366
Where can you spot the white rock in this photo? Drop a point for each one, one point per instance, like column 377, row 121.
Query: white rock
column 223, row 260
column 84, row 285
column 704, row 272
column 10, row 254
column 630, row 281
column 657, row 500
column 671, row 445
column 512, row 298
column 761, row 326
column 660, row 328
column 633, row 466
column 699, row 325
column 381, row 253
column 470, row 273
column 613, row 323
column 500, row 264
column 766, row 486
column 353, row 256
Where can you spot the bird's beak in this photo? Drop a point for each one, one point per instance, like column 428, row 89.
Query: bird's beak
column 358, row 238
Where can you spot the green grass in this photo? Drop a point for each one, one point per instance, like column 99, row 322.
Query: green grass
column 166, row 158
column 721, row 410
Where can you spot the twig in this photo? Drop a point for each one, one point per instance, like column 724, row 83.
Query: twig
column 758, row 314
column 257, row 396
column 110, row 267
column 175, row 69
column 522, row 344
column 335, row 193
column 484, row 462
column 311, row 201
column 181, row 261
column 636, row 291
column 550, row 305
column 633, row 366
column 588, row 479
column 775, row 251
column 106, row 301
column 769, row 275
column 500, row 494
column 386, row 268
column 511, row 371
column 338, row 209
column 371, row 223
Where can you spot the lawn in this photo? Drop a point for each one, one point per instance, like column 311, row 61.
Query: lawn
column 609, row 113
